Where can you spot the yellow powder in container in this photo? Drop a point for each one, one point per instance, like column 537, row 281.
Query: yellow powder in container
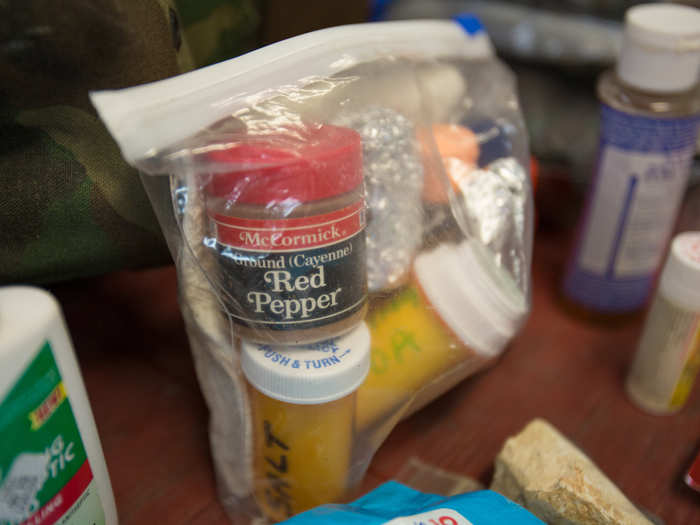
column 456, row 316
column 303, row 411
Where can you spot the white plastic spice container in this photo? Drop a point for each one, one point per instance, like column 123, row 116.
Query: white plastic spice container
column 52, row 469
column 455, row 316
column 303, row 405
column 668, row 356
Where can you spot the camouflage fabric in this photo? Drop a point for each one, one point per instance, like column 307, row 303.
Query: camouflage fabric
column 217, row 30
column 70, row 206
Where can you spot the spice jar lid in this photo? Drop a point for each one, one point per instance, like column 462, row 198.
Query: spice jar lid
column 305, row 164
column 27, row 314
column 478, row 300
column 309, row 374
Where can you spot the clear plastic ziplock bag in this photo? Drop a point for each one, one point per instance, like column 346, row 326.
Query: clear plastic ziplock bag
column 350, row 214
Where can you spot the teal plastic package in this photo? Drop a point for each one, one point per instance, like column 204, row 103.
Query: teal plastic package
column 398, row 504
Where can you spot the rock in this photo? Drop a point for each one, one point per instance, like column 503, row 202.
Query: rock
column 545, row 473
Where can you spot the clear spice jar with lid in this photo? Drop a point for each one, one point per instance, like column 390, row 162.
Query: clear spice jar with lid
column 287, row 223
column 453, row 318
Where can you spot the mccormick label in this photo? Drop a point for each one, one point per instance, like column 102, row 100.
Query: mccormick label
column 45, row 476
column 642, row 171
column 290, row 274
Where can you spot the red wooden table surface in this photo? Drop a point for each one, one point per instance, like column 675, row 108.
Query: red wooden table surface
column 153, row 422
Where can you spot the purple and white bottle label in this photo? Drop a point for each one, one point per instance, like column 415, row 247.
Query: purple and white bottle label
column 642, row 171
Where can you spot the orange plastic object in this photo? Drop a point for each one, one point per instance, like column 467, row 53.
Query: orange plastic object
column 459, row 151
column 534, row 172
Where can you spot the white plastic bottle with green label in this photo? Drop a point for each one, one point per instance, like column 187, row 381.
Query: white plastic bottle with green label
column 649, row 126
column 52, row 470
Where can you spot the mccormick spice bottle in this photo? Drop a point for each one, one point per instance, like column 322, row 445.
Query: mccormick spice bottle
column 288, row 226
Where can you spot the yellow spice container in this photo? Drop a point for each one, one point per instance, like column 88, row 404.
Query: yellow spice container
column 303, row 406
column 458, row 313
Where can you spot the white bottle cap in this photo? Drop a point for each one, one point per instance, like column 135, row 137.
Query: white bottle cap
column 680, row 280
column 660, row 48
column 478, row 300
column 308, row 374
column 26, row 315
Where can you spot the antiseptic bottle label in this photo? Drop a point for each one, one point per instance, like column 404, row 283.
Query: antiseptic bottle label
column 45, row 476
column 642, row 171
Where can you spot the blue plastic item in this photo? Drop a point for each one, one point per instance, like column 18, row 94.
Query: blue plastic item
column 493, row 140
column 400, row 505
column 470, row 23
column 378, row 9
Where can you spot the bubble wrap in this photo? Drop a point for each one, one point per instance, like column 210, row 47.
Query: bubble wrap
column 393, row 173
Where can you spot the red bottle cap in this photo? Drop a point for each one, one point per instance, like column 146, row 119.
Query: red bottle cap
column 304, row 165
column 692, row 478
